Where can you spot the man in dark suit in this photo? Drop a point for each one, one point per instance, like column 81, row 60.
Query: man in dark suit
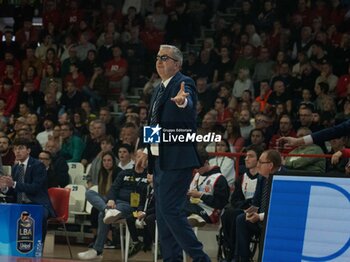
column 28, row 183
column 173, row 106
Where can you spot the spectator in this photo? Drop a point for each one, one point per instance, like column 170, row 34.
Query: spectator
column 125, row 155
column 72, row 145
column 75, row 76
column 31, row 96
column 264, row 66
column 285, row 129
column 145, row 219
column 242, row 83
column 92, row 144
column 25, row 133
column 327, row 76
column 72, row 98
column 223, row 113
column 245, row 123
column 48, row 125
column 9, row 94
column 233, row 135
column 27, row 35
column 84, row 46
column 336, row 165
column 105, row 117
column 107, row 144
column 225, row 163
column 115, row 205
column 71, row 59
column 58, row 163
column 107, row 173
column 52, row 179
column 116, row 72
column 312, row 164
column 31, row 61
column 225, row 64
column 7, row 154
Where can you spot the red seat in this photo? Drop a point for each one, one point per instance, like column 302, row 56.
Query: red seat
column 59, row 198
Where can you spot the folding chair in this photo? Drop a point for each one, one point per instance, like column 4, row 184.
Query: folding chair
column 59, row 198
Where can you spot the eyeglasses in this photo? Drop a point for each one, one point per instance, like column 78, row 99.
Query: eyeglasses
column 44, row 158
column 264, row 162
column 165, row 58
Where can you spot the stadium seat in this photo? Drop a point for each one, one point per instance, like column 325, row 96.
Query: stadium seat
column 76, row 172
column 77, row 198
column 59, row 198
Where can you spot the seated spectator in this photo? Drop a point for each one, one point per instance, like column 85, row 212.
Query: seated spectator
column 105, row 116
column 32, row 189
column 226, row 164
column 208, row 194
column 125, row 155
column 335, row 165
column 107, row 144
column 116, row 205
column 58, row 163
column 116, row 72
column 48, row 125
column 223, row 113
column 242, row 83
column 25, row 133
column 144, row 220
column 256, row 137
column 285, row 129
column 7, row 154
column 72, row 98
column 10, row 95
column 92, row 147
column 314, row 164
column 79, row 122
column 33, row 98
column 108, row 172
column 72, row 145
column 233, row 135
column 75, row 76
column 265, row 92
column 250, row 222
column 245, row 123
column 52, row 179
column 241, row 198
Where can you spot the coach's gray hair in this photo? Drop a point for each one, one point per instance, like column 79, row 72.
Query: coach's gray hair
column 177, row 54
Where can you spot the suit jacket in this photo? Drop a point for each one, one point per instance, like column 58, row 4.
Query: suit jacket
column 35, row 184
column 176, row 155
column 332, row 132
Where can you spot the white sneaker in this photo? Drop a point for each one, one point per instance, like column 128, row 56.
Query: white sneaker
column 89, row 255
column 196, row 220
column 111, row 216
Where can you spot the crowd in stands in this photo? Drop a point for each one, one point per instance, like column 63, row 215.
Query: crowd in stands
column 265, row 69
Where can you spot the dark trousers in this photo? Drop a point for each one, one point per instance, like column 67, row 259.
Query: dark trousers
column 244, row 233
column 147, row 233
column 228, row 225
column 195, row 209
column 44, row 225
column 175, row 233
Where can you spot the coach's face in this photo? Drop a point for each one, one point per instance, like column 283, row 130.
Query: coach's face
column 167, row 66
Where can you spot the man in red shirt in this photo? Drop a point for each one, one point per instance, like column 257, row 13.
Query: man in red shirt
column 116, row 72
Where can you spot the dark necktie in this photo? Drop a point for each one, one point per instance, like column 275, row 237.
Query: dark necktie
column 264, row 196
column 155, row 109
column 20, row 179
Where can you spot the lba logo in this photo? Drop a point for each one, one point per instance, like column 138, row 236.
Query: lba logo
column 151, row 134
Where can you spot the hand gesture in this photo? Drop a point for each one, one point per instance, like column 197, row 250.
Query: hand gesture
column 336, row 157
column 291, row 141
column 194, row 193
column 180, row 98
column 140, row 161
column 252, row 217
column 111, row 204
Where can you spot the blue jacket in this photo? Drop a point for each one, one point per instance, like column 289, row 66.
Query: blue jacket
column 35, row 184
column 176, row 155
